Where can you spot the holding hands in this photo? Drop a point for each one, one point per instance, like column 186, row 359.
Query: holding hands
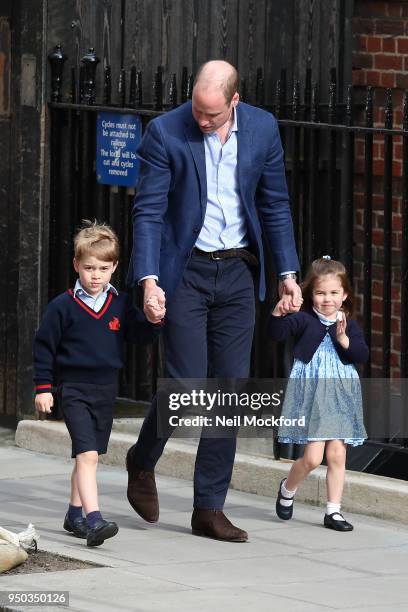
column 153, row 302
column 290, row 298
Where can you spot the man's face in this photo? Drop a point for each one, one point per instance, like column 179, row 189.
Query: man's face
column 210, row 109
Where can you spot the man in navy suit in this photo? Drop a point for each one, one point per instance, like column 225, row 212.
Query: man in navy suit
column 212, row 183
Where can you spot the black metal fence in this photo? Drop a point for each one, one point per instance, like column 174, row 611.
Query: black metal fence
column 320, row 143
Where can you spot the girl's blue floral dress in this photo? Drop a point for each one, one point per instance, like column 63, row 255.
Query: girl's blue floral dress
column 327, row 394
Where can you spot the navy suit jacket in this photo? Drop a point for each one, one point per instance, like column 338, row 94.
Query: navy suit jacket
column 171, row 197
column 308, row 333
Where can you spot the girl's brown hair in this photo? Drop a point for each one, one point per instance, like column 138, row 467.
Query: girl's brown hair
column 321, row 267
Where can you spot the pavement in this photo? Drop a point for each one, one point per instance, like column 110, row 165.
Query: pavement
column 288, row 566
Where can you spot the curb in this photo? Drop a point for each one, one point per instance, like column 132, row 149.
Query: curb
column 377, row 496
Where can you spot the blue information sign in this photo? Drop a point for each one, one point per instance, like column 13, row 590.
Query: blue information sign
column 117, row 139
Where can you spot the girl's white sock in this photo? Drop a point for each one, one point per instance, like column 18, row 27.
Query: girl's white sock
column 286, row 493
column 332, row 508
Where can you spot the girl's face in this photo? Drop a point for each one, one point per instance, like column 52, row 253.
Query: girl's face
column 328, row 295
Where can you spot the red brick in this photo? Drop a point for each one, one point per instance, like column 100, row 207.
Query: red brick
column 395, row 325
column 378, row 150
column 360, row 42
column 394, row 9
column 396, row 168
column 398, row 118
column 378, row 272
column 397, row 223
column 359, row 78
column 401, row 80
column 387, row 79
column 396, row 343
column 388, row 44
column 395, row 293
column 378, row 237
column 386, row 62
column 363, row 60
column 396, row 27
column 376, row 304
column 377, row 288
column 396, row 309
column 402, row 45
column 374, row 44
column 396, row 276
column 371, row 9
column 363, row 26
column 378, row 167
column 377, row 323
column 378, row 116
column 405, row 63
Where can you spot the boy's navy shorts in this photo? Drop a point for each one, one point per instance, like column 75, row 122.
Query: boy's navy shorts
column 88, row 413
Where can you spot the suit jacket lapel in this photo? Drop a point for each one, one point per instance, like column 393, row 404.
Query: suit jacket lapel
column 244, row 153
column 195, row 141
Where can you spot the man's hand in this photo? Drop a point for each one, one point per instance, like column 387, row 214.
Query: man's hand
column 44, row 402
column 153, row 301
column 290, row 289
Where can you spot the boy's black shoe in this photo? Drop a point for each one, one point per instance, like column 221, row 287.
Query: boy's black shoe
column 336, row 524
column 284, row 512
column 101, row 531
column 78, row 526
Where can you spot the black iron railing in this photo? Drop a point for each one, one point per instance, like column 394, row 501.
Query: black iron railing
column 320, row 150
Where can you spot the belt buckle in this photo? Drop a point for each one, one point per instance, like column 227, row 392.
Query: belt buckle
column 213, row 257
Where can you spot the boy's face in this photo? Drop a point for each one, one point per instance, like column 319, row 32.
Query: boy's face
column 94, row 274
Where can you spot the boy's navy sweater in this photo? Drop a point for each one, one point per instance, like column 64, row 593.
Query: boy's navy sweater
column 309, row 332
column 76, row 344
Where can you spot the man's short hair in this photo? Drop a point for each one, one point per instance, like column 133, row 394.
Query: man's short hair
column 229, row 86
column 96, row 240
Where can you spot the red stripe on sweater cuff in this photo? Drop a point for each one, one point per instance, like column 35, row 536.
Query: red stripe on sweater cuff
column 43, row 386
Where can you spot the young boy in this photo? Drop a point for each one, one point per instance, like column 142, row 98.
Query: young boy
column 79, row 345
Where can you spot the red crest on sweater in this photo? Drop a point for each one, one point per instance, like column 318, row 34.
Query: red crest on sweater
column 114, row 324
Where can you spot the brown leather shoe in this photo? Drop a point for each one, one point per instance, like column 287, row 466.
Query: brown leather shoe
column 142, row 492
column 214, row 524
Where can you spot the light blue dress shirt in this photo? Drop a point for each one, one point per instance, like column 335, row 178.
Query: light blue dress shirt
column 94, row 303
column 224, row 222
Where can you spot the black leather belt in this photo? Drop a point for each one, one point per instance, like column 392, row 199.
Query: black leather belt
column 229, row 254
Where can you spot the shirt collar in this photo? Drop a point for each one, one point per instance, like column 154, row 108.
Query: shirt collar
column 234, row 127
column 79, row 289
column 322, row 318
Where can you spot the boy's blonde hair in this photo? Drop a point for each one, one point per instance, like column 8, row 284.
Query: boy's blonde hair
column 96, row 240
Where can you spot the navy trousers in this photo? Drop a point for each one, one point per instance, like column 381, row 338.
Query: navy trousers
column 208, row 332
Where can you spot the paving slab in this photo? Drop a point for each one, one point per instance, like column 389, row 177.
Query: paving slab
column 254, row 471
column 296, row 566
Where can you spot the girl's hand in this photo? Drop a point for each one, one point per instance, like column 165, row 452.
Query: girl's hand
column 285, row 306
column 44, row 402
column 341, row 325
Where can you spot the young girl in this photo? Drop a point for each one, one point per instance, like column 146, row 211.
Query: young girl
column 323, row 386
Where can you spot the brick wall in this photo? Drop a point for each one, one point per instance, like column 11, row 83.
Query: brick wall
column 380, row 59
